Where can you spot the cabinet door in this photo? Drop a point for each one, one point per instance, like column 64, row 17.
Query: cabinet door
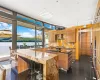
column 51, row 36
column 73, row 54
column 71, row 35
column 63, row 61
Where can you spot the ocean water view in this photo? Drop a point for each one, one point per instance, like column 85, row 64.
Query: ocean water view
column 4, row 46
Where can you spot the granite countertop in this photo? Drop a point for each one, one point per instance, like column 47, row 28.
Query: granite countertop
column 35, row 55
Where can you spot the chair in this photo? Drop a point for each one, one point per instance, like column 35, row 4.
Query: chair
column 13, row 56
column 9, row 72
column 8, row 62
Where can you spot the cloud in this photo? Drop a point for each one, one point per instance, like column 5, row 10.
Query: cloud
column 0, row 25
column 5, row 26
column 37, row 31
column 32, row 30
column 26, row 34
column 10, row 28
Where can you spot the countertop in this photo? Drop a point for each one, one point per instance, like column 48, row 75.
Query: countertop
column 38, row 56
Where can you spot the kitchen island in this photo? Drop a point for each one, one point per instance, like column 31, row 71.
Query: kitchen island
column 64, row 57
column 49, row 61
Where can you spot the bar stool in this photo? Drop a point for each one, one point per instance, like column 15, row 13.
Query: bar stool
column 35, row 71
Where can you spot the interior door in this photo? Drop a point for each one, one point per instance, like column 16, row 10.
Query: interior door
column 85, row 43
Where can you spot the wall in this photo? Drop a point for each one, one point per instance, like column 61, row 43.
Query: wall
column 96, row 48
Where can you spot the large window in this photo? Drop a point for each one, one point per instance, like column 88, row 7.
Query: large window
column 29, row 33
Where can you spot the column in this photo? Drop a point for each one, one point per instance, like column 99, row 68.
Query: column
column 14, row 32
column 43, row 38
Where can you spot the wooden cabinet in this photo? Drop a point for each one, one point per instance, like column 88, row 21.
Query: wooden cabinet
column 67, row 34
column 65, row 61
column 73, row 54
column 71, row 35
column 51, row 36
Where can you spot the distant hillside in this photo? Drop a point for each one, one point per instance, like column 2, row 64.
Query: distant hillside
column 21, row 39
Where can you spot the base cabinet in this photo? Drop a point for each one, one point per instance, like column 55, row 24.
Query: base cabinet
column 65, row 61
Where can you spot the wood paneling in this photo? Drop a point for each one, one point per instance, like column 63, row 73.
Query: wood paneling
column 22, row 64
column 96, row 49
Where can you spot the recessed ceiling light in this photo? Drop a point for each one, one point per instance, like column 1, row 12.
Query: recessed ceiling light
column 57, row 1
column 45, row 15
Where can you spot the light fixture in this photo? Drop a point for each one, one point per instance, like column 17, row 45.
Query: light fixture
column 45, row 14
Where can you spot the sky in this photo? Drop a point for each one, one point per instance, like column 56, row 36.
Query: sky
column 22, row 31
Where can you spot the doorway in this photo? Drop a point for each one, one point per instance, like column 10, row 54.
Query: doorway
column 86, row 42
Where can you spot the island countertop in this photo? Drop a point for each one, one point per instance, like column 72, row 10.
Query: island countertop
column 38, row 56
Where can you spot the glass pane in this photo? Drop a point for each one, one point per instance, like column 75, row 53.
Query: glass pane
column 53, row 27
column 46, row 39
column 48, row 26
column 5, row 39
column 25, row 37
column 39, row 38
column 39, row 23
column 23, row 18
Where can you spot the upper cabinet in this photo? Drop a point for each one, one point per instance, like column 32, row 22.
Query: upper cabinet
column 68, row 35
column 51, row 36
column 71, row 35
